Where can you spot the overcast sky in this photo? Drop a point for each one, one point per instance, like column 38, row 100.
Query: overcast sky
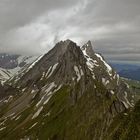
column 34, row 26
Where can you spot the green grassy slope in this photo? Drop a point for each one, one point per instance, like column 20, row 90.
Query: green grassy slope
column 64, row 117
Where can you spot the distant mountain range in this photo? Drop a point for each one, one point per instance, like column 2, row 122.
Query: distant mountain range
column 129, row 71
column 131, row 74
column 11, row 64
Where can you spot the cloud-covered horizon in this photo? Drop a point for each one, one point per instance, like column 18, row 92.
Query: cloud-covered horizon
column 34, row 26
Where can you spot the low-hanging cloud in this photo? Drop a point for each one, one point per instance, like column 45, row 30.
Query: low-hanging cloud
column 33, row 27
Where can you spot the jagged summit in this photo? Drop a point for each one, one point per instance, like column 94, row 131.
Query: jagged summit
column 61, row 47
column 67, row 44
column 89, row 43
column 88, row 48
column 68, row 41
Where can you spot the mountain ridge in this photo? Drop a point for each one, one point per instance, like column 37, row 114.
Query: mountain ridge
column 66, row 94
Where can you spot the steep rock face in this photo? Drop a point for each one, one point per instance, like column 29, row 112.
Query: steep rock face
column 69, row 93
column 103, row 73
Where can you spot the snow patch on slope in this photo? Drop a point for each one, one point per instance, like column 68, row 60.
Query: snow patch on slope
column 77, row 73
column 52, row 70
column 109, row 69
column 33, row 125
column 31, row 66
column 38, row 112
column 90, row 62
column 48, row 91
column 105, row 82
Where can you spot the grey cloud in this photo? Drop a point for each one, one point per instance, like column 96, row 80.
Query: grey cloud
column 17, row 13
column 124, row 57
column 34, row 26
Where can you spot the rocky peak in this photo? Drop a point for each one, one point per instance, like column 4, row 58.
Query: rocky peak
column 89, row 44
column 64, row 44
column 58, row 63
column 59, row 49
column 88, row 48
